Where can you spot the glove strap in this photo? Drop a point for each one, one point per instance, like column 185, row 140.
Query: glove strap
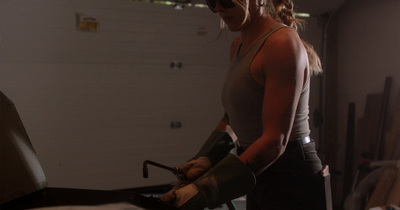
column 227, row 180
column 216, row 147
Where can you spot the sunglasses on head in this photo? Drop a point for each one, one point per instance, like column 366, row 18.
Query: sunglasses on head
column 225, row 3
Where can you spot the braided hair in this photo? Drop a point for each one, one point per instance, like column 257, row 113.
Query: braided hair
column 282, row 10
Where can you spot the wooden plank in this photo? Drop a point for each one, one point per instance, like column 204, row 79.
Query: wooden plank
column 394, row 194
column 383, row 188
column 392, row 143
column 348, row 170
column 367, row 127
column 378, row 154
column 370, row 128
column 359, row 141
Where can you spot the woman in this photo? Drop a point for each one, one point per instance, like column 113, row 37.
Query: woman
column 265, row 96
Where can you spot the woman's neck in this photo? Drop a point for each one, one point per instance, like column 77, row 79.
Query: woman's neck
column 258, row 26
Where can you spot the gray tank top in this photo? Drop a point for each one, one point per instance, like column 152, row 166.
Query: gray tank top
column 242, row 98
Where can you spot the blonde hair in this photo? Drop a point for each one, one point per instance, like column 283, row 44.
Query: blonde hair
column 282, row 10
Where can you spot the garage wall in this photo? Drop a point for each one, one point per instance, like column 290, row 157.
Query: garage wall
column 363, row 50
column 97, row 104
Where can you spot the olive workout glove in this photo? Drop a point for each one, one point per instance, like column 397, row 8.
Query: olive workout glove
column 216, row 147
column 228, row 179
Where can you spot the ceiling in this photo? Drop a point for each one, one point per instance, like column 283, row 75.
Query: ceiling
column 317, row 7
column 313, row 7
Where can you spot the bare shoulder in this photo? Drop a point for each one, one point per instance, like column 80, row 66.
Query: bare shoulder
column 283, row 40
column 283, row 54
column 285, row 47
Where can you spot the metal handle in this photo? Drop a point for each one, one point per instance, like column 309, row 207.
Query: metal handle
column 175, row 170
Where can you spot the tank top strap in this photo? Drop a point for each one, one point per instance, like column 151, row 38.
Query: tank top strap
column 256, row 46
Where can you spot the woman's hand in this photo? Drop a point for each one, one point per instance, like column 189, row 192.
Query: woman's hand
column 194, row 169
column 170, row 196
column 185, row 197
column 227, row 180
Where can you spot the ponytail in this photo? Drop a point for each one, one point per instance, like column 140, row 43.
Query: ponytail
column 282, row 10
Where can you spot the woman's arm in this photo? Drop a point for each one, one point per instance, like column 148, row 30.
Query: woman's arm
column 280, row 68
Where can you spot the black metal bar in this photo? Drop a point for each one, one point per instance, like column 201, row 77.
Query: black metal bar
column 175, row 170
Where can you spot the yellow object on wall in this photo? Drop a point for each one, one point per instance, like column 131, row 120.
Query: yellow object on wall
column 86, row 23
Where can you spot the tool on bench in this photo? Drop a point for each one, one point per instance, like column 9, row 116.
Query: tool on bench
column 176, row 171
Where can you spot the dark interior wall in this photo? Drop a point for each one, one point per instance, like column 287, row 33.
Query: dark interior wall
column 362, row 50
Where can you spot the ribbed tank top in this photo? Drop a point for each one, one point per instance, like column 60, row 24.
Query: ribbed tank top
column 242, row 97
